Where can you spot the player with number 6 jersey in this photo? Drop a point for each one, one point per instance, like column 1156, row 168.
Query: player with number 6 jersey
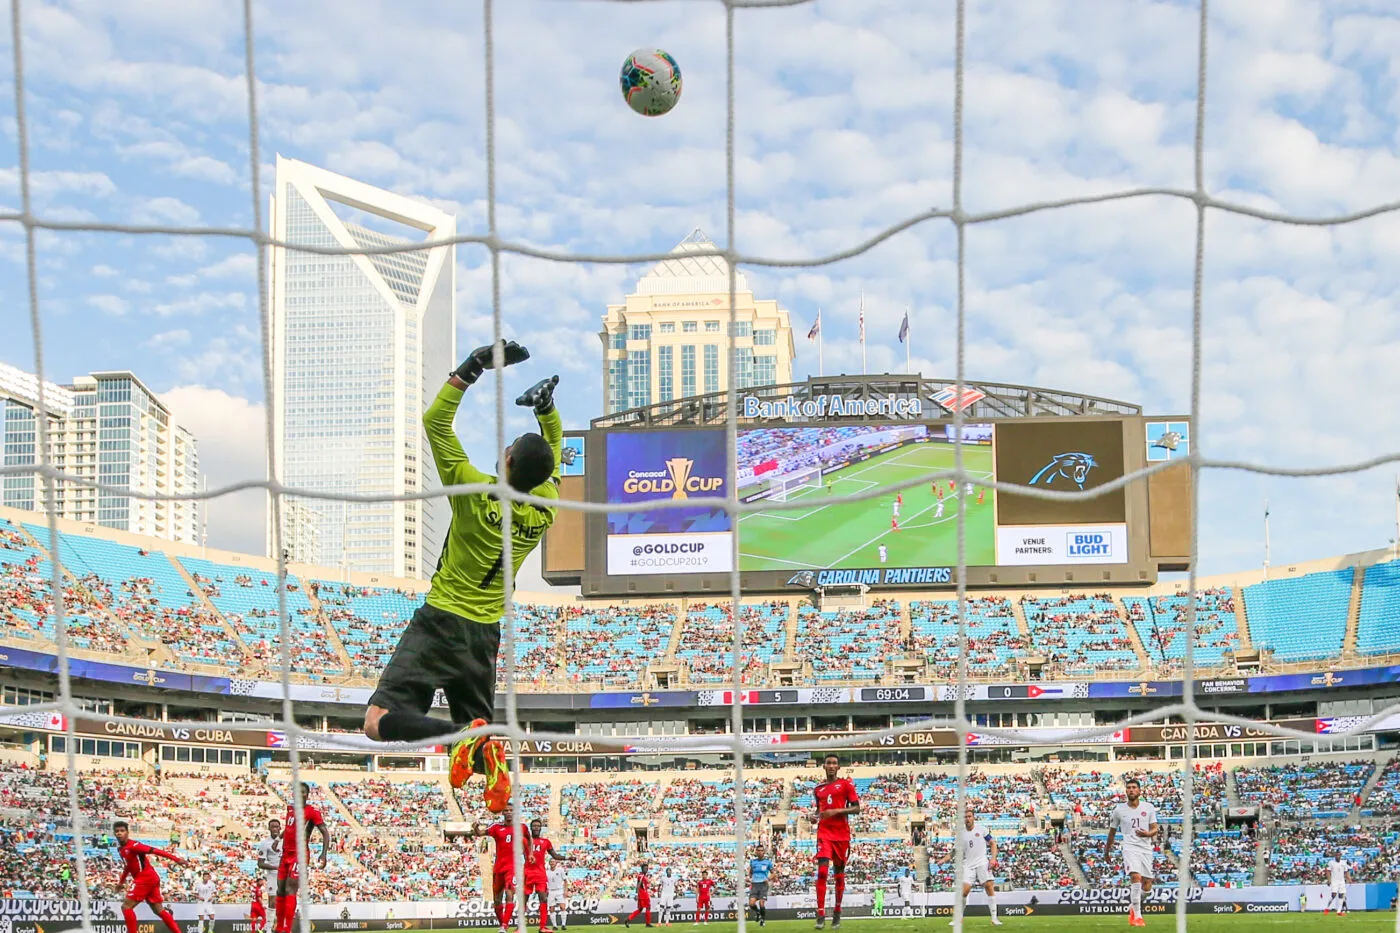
column 453, row 638
column 836, row 800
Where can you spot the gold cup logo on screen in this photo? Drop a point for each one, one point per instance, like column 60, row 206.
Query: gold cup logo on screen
column 679, row 468
column 677, row 480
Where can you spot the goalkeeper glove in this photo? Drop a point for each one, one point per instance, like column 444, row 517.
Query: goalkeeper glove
column 540, row 396
column 482, row 359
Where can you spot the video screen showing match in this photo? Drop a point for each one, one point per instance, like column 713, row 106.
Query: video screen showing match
column 814, row 466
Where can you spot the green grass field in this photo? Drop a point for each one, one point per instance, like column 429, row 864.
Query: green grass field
column 843, row 535
column 1205, row 923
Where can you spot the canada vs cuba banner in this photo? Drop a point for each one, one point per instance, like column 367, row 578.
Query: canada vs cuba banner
column 670, row 467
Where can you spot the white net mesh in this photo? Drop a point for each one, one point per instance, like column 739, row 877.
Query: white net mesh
column 1187, row 708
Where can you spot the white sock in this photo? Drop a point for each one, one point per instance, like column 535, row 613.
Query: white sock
column 992, row 905
column 1135, row 898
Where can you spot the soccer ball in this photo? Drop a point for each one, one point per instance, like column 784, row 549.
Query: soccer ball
column 651, row 82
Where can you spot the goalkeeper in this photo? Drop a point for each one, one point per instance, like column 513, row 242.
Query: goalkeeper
column 453, row 638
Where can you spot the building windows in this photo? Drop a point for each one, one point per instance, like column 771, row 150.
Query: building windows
column 619, row 340
column 96, row 748
column 667, row 328
column 765, row 370
column 690, row 327
column 765, row 338
column 743, row 367
column 639, row 332
column 665, row 377
column 639, row 378
column 711, row 368
column 741, row 329
column 712, row 327
column 687, row 370
column 617, row 385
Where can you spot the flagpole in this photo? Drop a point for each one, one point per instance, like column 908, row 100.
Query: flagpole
column 1266, row 537
column 821, row 365
column 908, row 366
column 1397, row 515
column 864, row 369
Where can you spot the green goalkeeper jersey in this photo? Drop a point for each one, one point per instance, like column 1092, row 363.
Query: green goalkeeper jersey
column 469, row 579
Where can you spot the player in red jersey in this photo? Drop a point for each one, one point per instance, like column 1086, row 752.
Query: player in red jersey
column 257, row 913
column 288, row 874
column 145, row 882
column 537, row 870
column 643, row 899
column 703, row 891
column 894, row 523
column 503, row 873
column 836, row 800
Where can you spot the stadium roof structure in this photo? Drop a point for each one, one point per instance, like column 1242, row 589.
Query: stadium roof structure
column 937, row 398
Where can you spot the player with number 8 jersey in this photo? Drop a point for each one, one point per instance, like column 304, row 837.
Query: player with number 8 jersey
column 453, row 639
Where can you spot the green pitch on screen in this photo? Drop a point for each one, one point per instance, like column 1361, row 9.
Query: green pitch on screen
column 829, row 535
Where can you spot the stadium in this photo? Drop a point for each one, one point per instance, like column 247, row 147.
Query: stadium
column 899, row 650
column 186, row 642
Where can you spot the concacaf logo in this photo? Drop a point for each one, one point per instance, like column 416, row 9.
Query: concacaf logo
column 675, row 479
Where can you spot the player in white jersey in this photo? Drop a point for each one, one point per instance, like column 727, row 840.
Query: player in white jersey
column 938, row 509
column 884, row 553
column 1337, row 884
column 204, row 892
column 906, row 888
column 1137, row 820
column 558, row 900
column 895, row 506
column 977, row 842
column 270, row 856
column 667, row 897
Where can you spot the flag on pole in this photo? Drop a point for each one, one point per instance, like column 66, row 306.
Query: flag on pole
column 904, row 328
column 862, row 317
column 816, row 327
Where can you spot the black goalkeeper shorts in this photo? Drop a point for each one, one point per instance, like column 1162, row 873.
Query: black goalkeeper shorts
column 442, row 649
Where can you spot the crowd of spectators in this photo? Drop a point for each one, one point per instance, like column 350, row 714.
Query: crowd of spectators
column 993, row 638
column 706, row 808
column 706, row 642
column 1305, row 790
column 1088, row 796
column 1301, row 851
column 1080, row 635
column 403, row 805
column 598, row 808
column 850, row 644
column 614, row 645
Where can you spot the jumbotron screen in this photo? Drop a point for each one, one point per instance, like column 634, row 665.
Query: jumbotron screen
column 896, row 536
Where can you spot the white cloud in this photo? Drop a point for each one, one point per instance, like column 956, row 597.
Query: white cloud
column 104, row 271
column 238, row 266
column 165, row 210
column 110, row 304
column 230, row 432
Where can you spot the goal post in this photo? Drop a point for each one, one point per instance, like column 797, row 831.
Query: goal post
column 781, row 488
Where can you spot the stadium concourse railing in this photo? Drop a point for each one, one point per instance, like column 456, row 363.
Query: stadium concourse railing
column 143, row 658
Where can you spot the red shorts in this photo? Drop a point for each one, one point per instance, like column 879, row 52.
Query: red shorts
column 699, row 904
column 838, row 850
column 256, row 909
column 536, row 884
column 287, row 868
column 145, row 887
column 643, row 901
column 503, row 879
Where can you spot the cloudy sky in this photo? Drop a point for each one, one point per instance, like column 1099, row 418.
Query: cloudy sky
column 137, row 113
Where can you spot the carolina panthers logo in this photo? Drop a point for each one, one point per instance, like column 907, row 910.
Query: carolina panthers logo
column 806, row 578
column 1070, row 467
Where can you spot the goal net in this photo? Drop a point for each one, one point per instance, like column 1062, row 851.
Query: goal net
column 788, row 485
column 39, row 228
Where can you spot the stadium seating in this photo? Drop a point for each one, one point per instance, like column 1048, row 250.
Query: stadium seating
column 1378, row 625
column 1300, row 618
column 1161, row 626
column 1088, row 796
column 998, row 801
column 1301, row 853
column 248, row 599
column 1384, row 799
column 26, row 598
column 615, row 645
column 706, row 644
column 1080, row 635
column 706, row 808
column 993, row 639
column 603, row 807
column 849, row 645
column 1317, row 790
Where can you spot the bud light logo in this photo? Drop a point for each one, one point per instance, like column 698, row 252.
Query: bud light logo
column 1083, row 544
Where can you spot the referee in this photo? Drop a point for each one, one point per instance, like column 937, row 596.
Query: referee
column 453, row 638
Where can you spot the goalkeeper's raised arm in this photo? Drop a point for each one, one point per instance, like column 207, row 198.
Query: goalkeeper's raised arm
column 452, row 641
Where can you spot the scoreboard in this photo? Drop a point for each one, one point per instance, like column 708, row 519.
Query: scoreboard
column 862, row 503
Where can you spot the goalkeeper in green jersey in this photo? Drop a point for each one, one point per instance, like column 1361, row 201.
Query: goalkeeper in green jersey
column 453, row 638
